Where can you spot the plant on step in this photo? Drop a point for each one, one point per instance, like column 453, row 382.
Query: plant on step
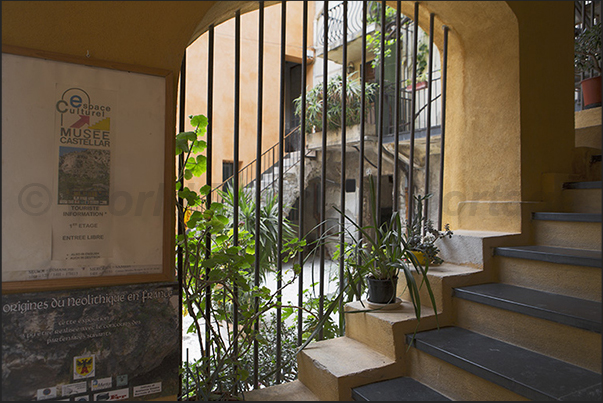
column 217, row 282
column 379, row 252
column 421, row 235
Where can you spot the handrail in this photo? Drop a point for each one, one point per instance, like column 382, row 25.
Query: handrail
column 242, row 170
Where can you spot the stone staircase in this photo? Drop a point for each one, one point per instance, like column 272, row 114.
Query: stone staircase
column 535, row 332
column 269, row 180
column 516, row 321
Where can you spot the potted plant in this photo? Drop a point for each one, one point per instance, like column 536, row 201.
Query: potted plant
column 421, row 235
column 377, row 258
column 587, row 58
column 314, row 102
column 380, row 256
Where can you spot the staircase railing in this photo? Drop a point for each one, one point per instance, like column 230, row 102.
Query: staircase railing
column 269, row 160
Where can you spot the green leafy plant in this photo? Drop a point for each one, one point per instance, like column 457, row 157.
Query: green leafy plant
column 217, row 274
column 314, row 103
column 378, row 251
column 373, row 44
column 421, row 235
column 373, row 41
column 587, row 49
column 268, row 237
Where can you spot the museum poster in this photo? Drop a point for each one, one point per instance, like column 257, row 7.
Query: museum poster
column 83, row 174
column 84, row 130
column 101, row 344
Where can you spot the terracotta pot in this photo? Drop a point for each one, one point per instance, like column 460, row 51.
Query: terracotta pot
column 382, row 291
column 591, row 92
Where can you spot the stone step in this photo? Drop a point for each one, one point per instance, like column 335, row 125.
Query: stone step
column 582, row 282
column 582, row 185
column 291, row 391
column 552, row 254
column 401, row 389
column 570, row 230
column 524, row 372
column 582, row 197
column 546, row 323
column 331, row 368
column 560, row 216
column 570, row 311
column 443, row 278
column 384, row 329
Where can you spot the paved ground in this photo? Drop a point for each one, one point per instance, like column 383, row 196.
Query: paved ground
column 190, row 340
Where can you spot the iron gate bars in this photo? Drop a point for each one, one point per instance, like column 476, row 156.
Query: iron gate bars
column 345, row 16
column 258, row 182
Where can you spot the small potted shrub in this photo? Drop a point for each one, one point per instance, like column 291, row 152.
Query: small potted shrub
column 587, row 58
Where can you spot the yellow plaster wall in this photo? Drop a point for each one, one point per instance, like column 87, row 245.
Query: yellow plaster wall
column 547, row 83
column 223, row 109
column 510, row 88
column 510, row 106
column 144, row 33
column 482, row 146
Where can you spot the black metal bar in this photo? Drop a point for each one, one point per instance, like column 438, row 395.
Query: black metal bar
column 235, row 208
column 209, row 172
column 442, row 136
column 343, row 160
column 413, row 106
column 381, row 111
column 396, row 192
column 281, row 141
column 187, row 375
column 406, row 62
column 582, row 28
column 258, row 185
column 323, row 182
column 360, row 201
column 362, row 117
column 428, row 134
column 181, row 229
column 302, row 172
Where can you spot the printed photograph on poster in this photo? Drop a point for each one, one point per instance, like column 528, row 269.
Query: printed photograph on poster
column 84, row 176
column 89, row 342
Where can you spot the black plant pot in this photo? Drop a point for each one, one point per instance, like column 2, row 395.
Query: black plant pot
column 382, row 291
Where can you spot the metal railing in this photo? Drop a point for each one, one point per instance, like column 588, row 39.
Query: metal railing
column 421, row 117
column 336, row 20
column 396, row 109
column 269, row 168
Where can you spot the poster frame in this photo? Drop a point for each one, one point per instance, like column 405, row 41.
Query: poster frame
column 168, row 273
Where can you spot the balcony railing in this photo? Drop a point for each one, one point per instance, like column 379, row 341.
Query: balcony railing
column 335, row 23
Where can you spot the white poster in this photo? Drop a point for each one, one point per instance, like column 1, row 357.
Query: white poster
column 82, row 170
column 84, row 128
